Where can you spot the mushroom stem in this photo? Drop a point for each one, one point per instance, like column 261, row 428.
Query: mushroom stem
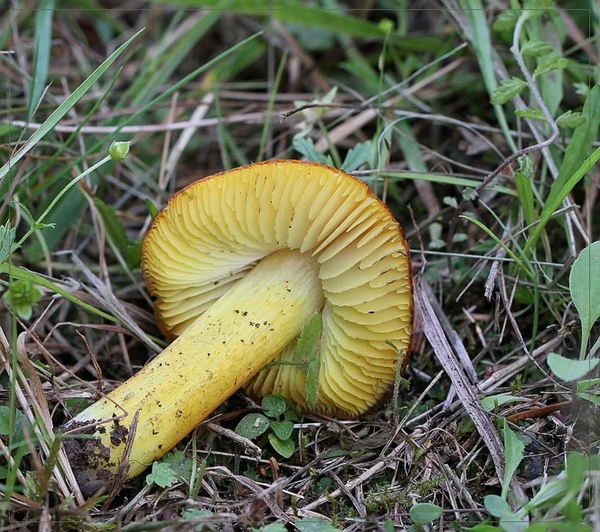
column 151, row 412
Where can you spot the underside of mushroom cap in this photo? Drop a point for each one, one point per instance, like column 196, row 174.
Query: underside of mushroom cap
column 213, row 232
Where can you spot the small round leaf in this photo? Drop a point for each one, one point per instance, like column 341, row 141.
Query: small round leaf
column 285, row 448
column 274, row 405
column 282, row 429
column 252, row 426
column 425, row 512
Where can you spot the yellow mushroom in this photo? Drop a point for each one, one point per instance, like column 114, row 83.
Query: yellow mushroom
column 239, row 262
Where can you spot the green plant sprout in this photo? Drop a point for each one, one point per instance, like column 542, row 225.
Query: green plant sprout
column 278, row 418
column 169, row 470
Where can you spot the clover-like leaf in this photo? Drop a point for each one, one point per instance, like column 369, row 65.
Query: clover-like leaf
column 282, row 429
column 274, row 405
column 285, row 448
column 252, row 426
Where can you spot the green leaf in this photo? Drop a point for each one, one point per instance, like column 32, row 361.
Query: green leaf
column 7, row 239
column 507, row 90
column 152, row 209
column 425, row 512
column 572, row 170
column 550, row 62
column 572, row 512
column 307, row 352
column 497, row 506
column 537, row 8
column 313, row 370
column 252, row 426
column 506, row 20
column 559, row 193
column 43, row 45
column 181, row 465
column 272, row 527
column 357, row 156
column 309, row 337
column 282, row 429
column 285, row 448
column 569, row 370
column 274, row 405
column 296, row 12
column 5, row 429
column 490, row 402
column 576, row 469
column 523, row 177
column 194, row 513
column 595, row 399
column 514, row 449
column 531, row 114
column 536, row 48
column 162, row 475
column 571, row 119
column 584, row 283
column 305, row 146
column 22, row 296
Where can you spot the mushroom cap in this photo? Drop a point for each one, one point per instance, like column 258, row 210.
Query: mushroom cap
column 211, row 233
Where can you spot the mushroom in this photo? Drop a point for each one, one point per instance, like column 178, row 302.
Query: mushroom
column 239, row 262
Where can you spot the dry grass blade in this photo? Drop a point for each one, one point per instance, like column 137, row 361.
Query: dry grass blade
column 33, row 404
column 108, row 300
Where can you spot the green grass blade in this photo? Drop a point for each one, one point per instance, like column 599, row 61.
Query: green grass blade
column 156, row 73
column 497, row 240
column 64, row 108
column 480, row 38
column 298, row 13
column 43, row 38
column 444, row 179
column 524, row 185
column 275, row 90
column 579, row 147
column 555, row 200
